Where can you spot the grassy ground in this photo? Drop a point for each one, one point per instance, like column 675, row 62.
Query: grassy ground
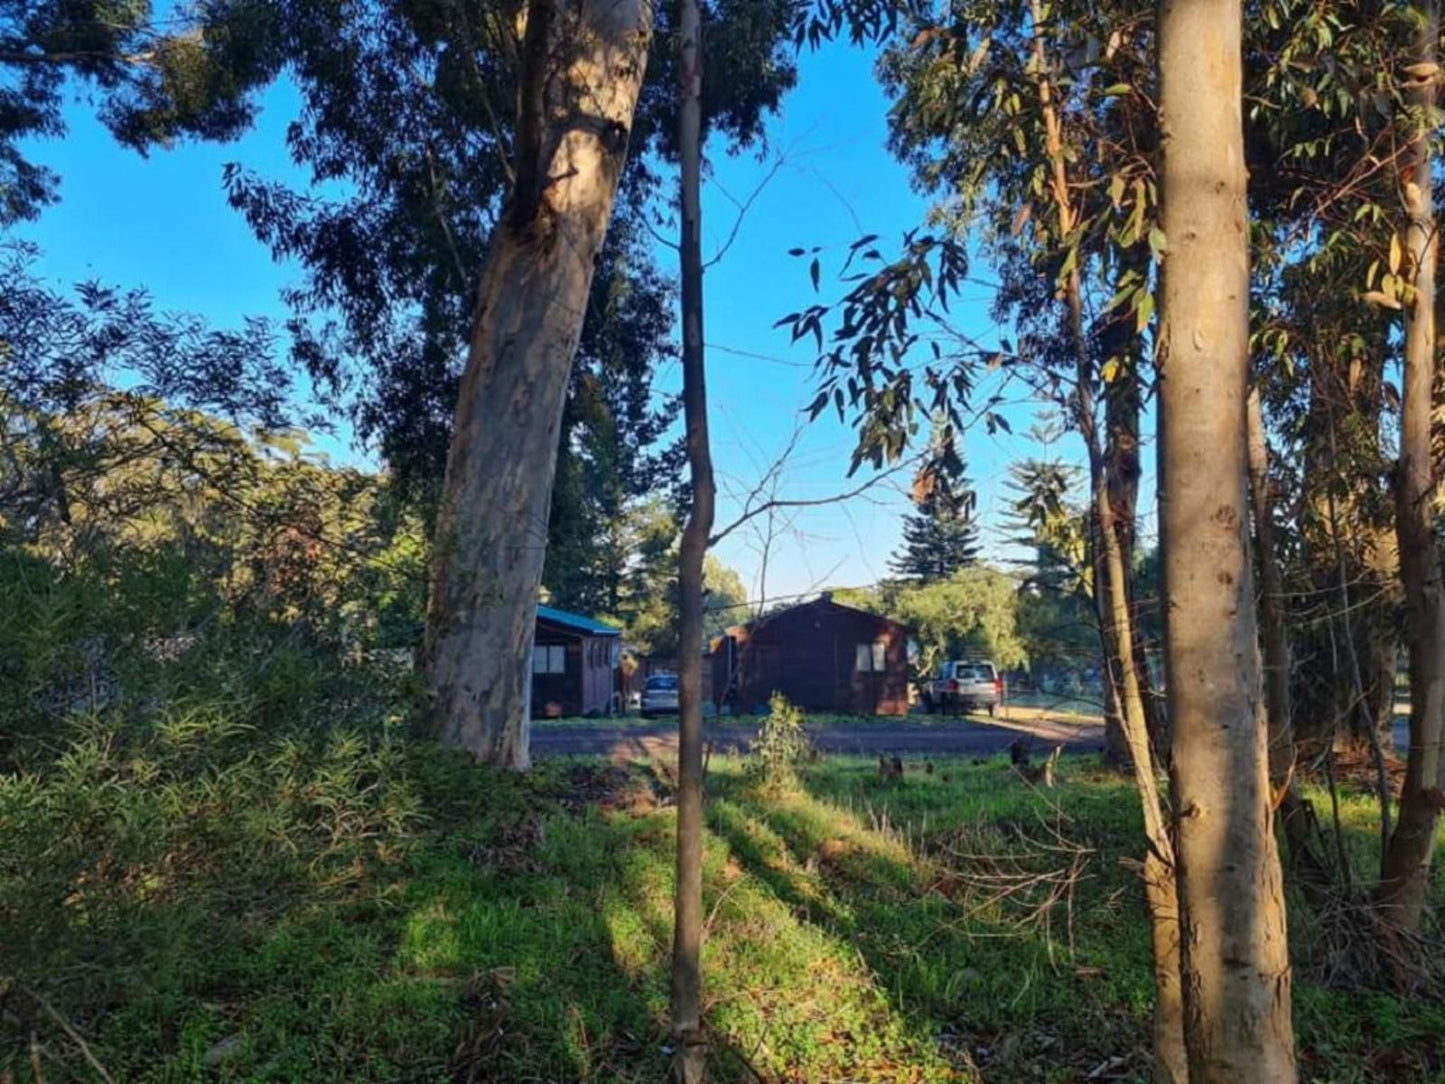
column 359, row 907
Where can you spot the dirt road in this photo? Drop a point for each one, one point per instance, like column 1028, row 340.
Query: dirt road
column 947, row 737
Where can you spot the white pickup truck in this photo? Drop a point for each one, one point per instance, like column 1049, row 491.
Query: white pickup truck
column 964, row 685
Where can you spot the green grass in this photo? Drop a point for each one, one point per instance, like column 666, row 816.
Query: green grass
column 216, row 903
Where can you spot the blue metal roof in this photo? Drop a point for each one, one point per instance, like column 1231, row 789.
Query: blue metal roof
column 577, row 621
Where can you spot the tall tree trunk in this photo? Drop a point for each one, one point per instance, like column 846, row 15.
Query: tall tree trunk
column 1122, row 407
column 1116, row 623
column 687, row 1027
column 1294, row 812
column 1235, row 962
column 1273, row 627
column 581, row 70
column 1116, row 739
column 1160, row 887
column 1406, row 866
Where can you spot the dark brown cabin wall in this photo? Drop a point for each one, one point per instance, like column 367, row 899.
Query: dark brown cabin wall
column 808, row 653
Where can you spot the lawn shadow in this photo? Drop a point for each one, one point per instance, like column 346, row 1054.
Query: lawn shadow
column 917, row 878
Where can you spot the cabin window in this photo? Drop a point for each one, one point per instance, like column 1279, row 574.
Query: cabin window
column 549, row 659
column 871, row 658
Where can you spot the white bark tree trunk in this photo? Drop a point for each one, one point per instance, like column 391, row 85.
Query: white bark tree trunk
column 1235, row 962
column 581, row 71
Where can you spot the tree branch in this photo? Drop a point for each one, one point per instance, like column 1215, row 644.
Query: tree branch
column 813, row 502
column 743, row 209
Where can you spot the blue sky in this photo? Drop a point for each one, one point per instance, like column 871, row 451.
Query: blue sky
column 163, row 222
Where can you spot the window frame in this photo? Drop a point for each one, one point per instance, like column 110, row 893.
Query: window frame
column 543, row 659
column 870, row 657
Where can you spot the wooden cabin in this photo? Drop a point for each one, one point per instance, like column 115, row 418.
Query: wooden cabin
column 821, row 655
column 574, row 665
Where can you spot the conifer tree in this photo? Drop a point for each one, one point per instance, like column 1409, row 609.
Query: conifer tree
column 939, row 537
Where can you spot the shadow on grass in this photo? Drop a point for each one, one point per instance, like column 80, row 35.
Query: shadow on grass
column 854, row 857
column 242, row 927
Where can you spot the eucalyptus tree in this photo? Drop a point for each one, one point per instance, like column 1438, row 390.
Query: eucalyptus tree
column 1033, row 126
column 1235, row 958
column 689, row 1065
column 188, row 72
column 1350, row 101
column 402, row 236
column 1406, row 863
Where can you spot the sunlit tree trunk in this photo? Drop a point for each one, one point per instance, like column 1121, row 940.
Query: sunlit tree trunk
column 688, row 1035
column 1235, row 961
column 1406, row 868
column 581, row 67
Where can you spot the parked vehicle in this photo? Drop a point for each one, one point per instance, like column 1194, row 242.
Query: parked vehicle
column 659, row 695
column 964, row 686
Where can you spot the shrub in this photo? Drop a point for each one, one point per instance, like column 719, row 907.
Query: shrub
column 781, row 745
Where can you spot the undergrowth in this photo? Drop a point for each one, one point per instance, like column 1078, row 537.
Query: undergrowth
column 236, row 862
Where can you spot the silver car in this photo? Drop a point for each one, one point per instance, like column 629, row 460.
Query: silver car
column 659, row 695
column 965, row 686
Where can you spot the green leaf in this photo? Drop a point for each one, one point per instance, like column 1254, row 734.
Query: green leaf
column 1143, row 310
column 1125, row 292
column 1116, row 188
column 1158, row 243
column 1070, row 262
column 1395, row 254
column 1117, row 90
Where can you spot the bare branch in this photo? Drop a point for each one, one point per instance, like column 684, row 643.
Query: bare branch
column 69, row 1030
column 815, row 502
column 743, row 209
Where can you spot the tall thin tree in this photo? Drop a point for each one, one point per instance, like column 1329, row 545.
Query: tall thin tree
column 1234, row 960
column 688, row 1035
column 1407, row 860
column 580, row 71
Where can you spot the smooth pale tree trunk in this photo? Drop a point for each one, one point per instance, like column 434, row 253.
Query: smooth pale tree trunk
column 689, row 1038
column 1116, row 622
column 1406, row 868
column 1235, row 961
column 581, row 70
column 1294, row 814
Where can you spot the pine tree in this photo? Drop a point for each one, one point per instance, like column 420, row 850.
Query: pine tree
column 939, row 537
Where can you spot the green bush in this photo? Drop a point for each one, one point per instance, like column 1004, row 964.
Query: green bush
column 781, row 745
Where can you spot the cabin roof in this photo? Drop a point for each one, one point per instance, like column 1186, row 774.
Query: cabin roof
column 823, row 602
column 576, row 622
